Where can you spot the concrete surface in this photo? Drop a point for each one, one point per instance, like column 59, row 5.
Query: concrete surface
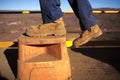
column 87, row 63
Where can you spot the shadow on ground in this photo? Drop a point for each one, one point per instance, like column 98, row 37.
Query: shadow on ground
column 3, row 78
column 107, row 55
column 12, row 57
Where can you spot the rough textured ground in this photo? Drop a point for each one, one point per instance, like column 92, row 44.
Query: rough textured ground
column 13, row 25
column 86, row 63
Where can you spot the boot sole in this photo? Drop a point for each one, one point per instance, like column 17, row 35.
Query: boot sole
column 58, row 33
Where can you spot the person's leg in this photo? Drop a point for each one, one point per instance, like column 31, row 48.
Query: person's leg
column 88, row 22
column 83, row 11
column 50, row 10
column 52, row 20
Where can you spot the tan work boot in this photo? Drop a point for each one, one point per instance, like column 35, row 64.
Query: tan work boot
column 87, row 35
column 55, row 28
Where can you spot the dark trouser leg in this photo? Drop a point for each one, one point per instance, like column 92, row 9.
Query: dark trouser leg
column 50, row 10
column 83, row 11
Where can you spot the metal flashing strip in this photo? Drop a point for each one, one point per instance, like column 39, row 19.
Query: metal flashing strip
column 69, row 44
column 6, row 44
column 9, row 44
